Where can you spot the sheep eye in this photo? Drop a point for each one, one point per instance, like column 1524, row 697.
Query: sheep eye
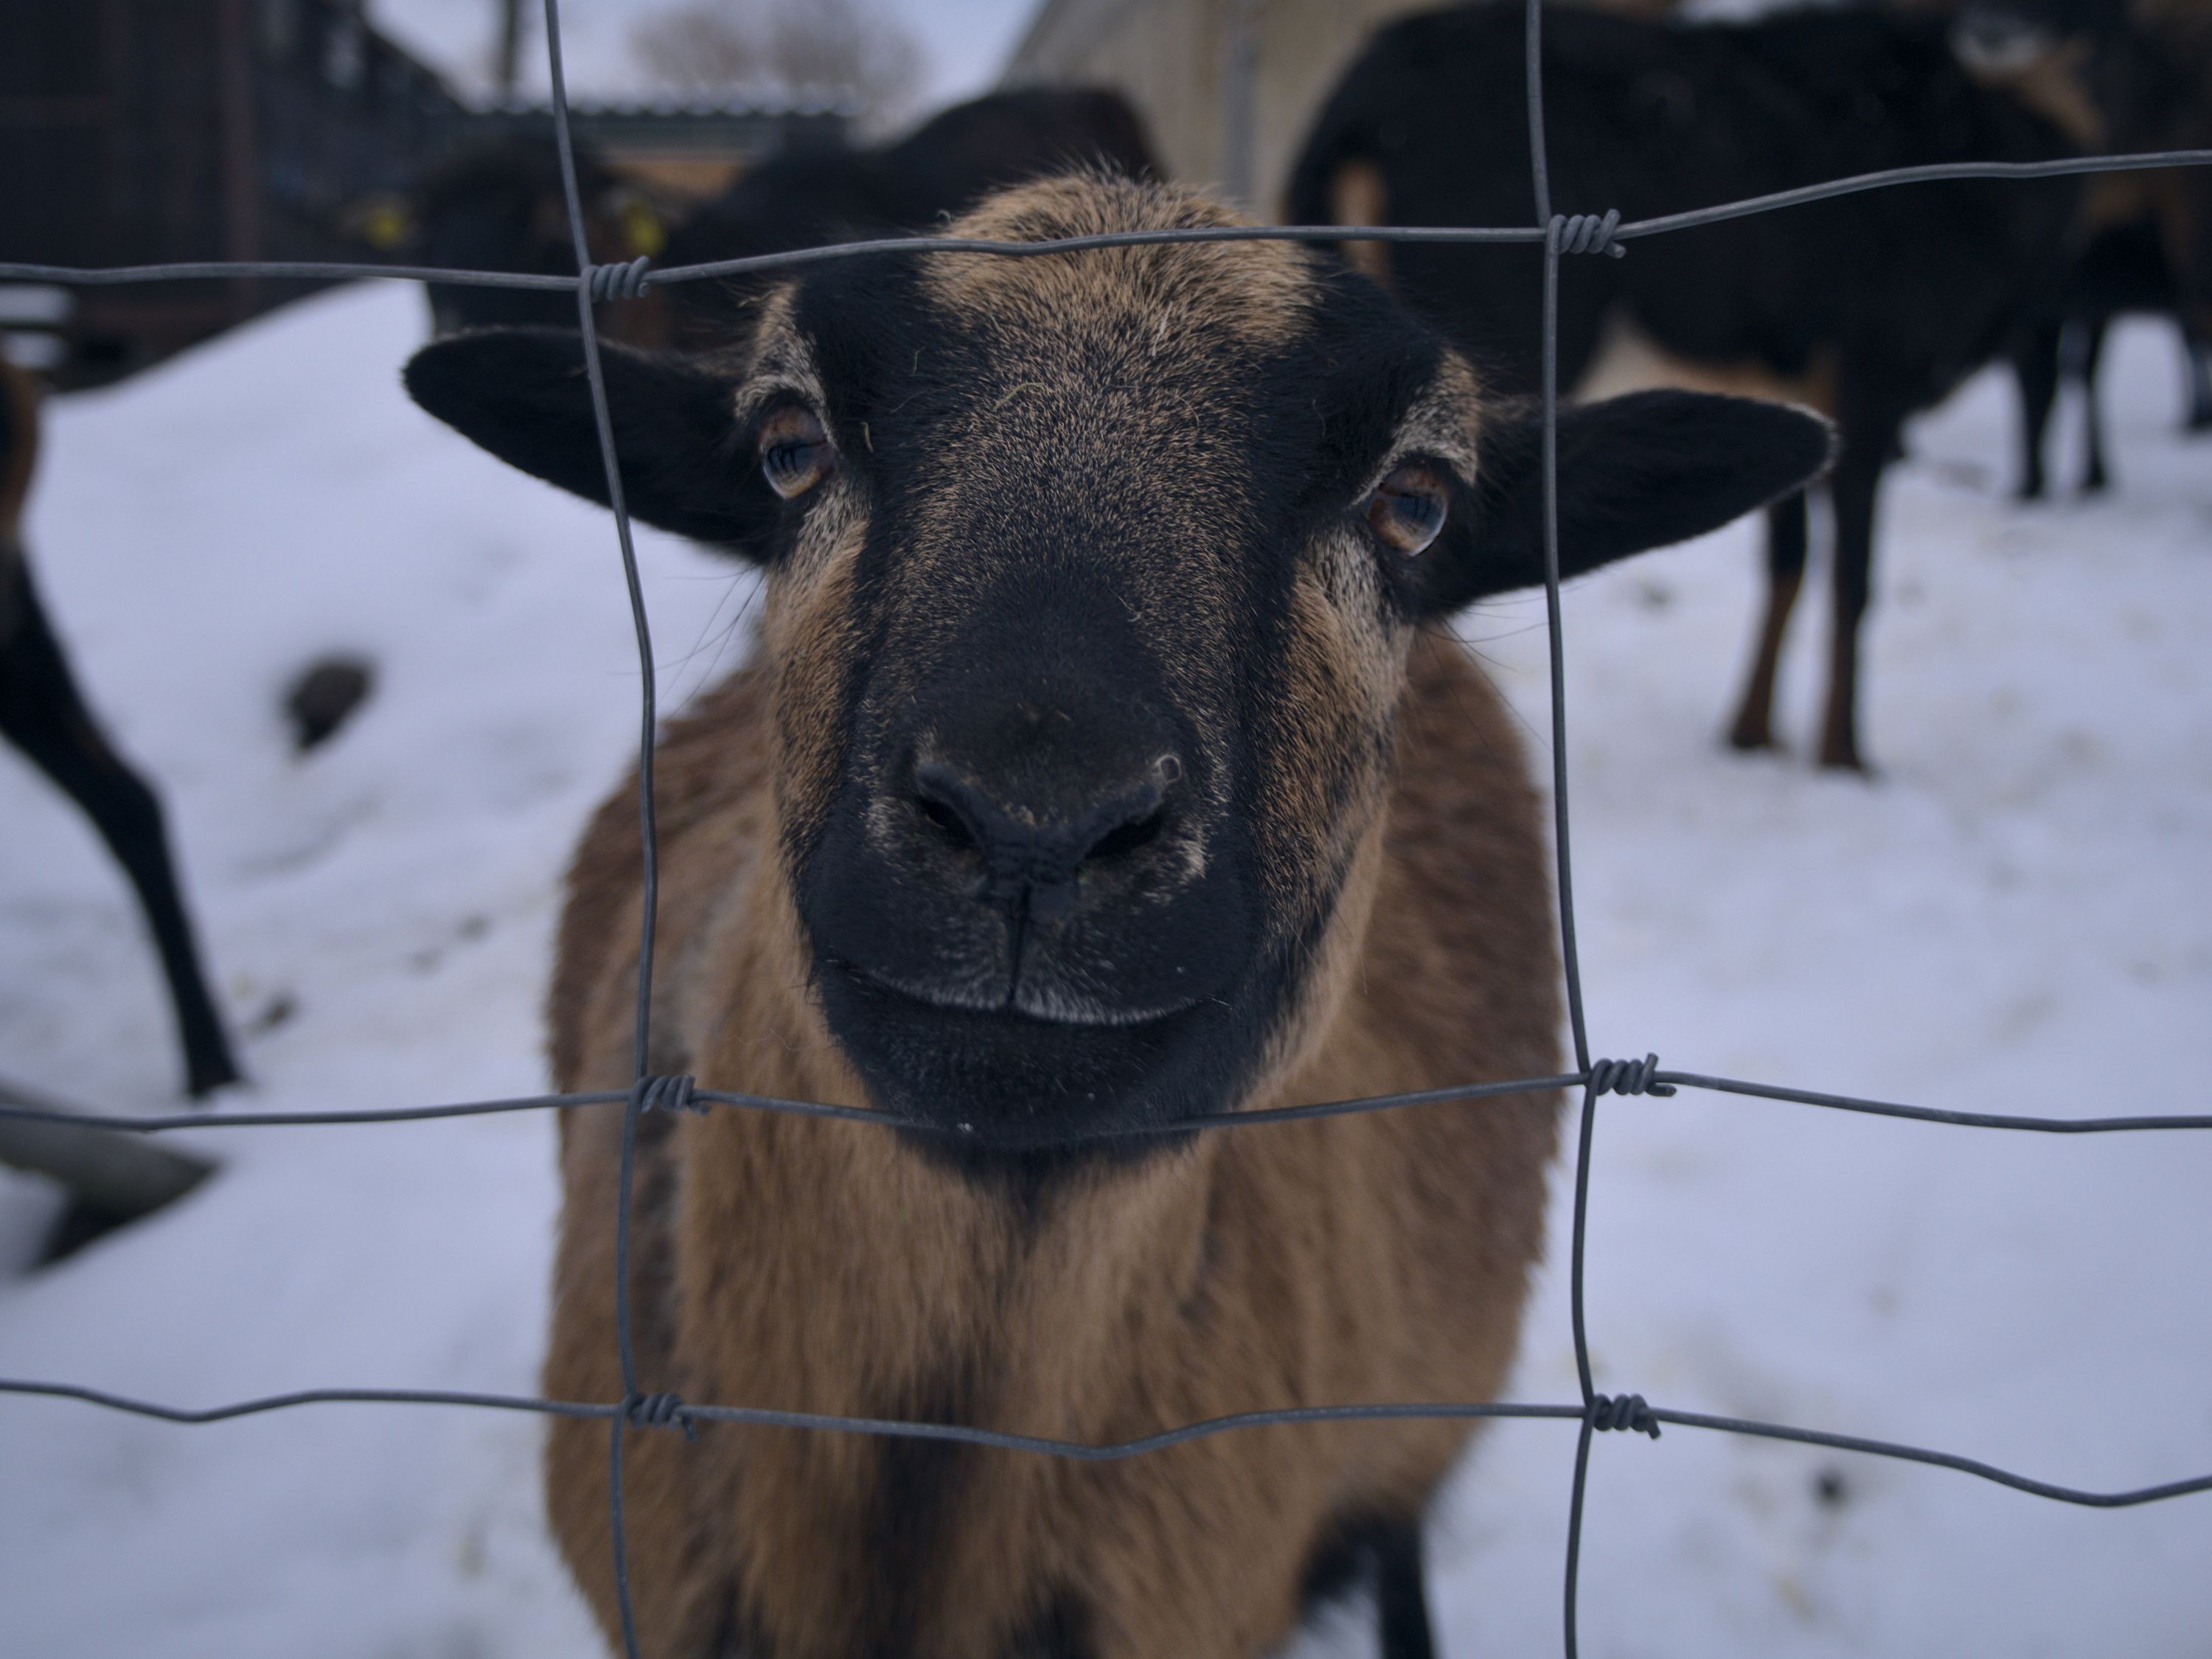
column 1407, row 508
column 795, row 453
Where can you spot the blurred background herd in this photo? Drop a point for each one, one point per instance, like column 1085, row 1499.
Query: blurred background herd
column 141, row 132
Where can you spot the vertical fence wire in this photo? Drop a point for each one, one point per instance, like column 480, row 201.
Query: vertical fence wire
column 1573, row 1575
column 641, row 1044
column 1539, row 181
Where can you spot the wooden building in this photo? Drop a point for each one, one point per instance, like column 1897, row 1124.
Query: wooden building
column 143, row 131
column 149, row 131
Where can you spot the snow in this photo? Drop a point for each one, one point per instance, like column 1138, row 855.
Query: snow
column 2013, row 917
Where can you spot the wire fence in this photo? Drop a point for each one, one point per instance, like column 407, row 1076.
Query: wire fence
column 1595, row 1412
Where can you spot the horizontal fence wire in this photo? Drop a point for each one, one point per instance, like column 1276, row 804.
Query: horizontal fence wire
column 701, row 1099
column 1091, row 1451
column 1627, row 230
column 1596, row 1412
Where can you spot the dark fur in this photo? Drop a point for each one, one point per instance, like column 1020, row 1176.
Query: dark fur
column 45, row 716
column 2148, row 73
column 2123, row 272
column 1084, row 513
column 502, row 206
column 1871, row 307
column 942, row 169
column 2161, row 94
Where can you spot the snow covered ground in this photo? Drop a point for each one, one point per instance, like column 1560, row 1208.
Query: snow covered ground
column 2015, row 917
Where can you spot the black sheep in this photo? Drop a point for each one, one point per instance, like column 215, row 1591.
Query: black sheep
column 502, row 206
column 2124, row 269
column 941, row 168
column 1870, row 307
column 2141, row 76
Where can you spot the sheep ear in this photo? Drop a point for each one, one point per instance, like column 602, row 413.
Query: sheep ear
column 1635, row 472
column 523, row 394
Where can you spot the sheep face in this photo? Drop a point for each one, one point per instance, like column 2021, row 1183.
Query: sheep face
column 1091, row 582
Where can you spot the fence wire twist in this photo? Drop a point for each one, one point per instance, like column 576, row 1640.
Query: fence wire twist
column 1596, row 1414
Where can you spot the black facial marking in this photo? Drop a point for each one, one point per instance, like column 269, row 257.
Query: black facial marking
column 1027, row 960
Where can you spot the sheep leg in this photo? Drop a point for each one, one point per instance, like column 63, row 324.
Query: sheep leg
column 2094, row 476
column 1785, row 574
column 2197, row 360
column 1852, row 489
column 2035, row 357
column 1400, row 1598
column 42, row 713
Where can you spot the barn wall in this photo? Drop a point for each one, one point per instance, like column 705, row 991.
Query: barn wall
column 143, row 131
column 1168, row 58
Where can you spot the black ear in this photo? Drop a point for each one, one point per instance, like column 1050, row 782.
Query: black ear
column 1635, row 472
column 522, row 393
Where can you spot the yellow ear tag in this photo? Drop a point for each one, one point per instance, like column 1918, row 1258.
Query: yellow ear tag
column 642, row 230
column 386, row 222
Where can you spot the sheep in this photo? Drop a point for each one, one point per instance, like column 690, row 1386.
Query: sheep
column 501, row 206
column 2142, row 73
column 1870, row 308
column 1104, row 767
column 2159, row 72
column 943, row 166
column 2122, row 270
column 43, row 713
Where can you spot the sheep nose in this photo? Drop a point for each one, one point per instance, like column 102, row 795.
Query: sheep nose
column 1035, row 848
